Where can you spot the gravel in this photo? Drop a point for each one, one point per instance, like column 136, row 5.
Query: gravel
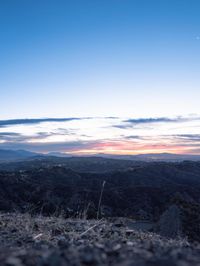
column 54, row 241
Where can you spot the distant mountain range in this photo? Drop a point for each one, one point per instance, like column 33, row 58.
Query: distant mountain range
column 155, row 157
column 15, row 155
column 11, row 155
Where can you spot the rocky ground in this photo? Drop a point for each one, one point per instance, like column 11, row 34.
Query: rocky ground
column 54, row 241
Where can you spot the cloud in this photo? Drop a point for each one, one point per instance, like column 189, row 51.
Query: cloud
column 8, row 134
column 10, row 122
column 68, row 146
column 12, row 137
column 133, row 137
column 150, row 120
column 188, row 137
column 143, row 121
column 124, row 123
column 93, row 137
column 129, row 123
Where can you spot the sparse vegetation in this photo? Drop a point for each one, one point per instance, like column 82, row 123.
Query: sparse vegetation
column 27, row 240
column 53, row 215
column 100, row 199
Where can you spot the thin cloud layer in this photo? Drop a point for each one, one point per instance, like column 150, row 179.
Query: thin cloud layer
column 148, row 121
column 102, row 135
column 189, row 137
column 10, row 122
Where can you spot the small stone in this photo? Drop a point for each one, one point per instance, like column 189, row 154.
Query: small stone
column 100, row 246
column 129, row 243
column 118, row 224
column 13, row 261
column 129, row 232
column 88, row 258
column 117, row 247
column 63, row 243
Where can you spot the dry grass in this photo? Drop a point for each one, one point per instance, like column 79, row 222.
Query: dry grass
column 39, row 240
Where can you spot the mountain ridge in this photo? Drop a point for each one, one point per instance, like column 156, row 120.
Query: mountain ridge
column 14, row 155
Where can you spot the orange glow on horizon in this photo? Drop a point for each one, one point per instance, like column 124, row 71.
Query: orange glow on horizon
column 130, row 148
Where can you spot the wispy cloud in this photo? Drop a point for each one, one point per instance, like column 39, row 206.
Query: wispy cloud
column 94, row 134
column 147, row 121
column 69, row 146
column 152, row 120
column 189, row 137
column 12, row 137
column 8, row 134
column 137, row 137
column 10, row 122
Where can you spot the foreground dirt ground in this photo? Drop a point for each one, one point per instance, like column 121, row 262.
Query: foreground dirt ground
column 51, row 241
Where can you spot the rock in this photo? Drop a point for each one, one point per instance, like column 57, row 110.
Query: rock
column 88, row 257
column 63, row 242
column 101, row 247
column 13, row 261
column 129, row 232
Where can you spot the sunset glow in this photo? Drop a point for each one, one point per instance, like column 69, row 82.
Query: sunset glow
column 90, row 77
column 86, row 136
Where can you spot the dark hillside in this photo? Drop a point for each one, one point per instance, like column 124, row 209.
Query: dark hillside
column 141, row 192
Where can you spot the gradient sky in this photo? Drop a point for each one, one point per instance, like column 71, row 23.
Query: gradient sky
column 128, row 59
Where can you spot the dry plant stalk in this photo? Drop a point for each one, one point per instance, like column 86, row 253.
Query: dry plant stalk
column 95, row 225
column 100, row 199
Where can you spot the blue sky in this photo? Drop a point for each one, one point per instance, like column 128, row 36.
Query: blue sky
column 91, row 58
column 134, row 59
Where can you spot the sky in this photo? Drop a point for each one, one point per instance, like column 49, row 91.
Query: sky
column 100, row 76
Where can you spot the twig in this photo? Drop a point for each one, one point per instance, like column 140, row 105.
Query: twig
column 91, row 227
column 37, row 236
column 100, row 198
